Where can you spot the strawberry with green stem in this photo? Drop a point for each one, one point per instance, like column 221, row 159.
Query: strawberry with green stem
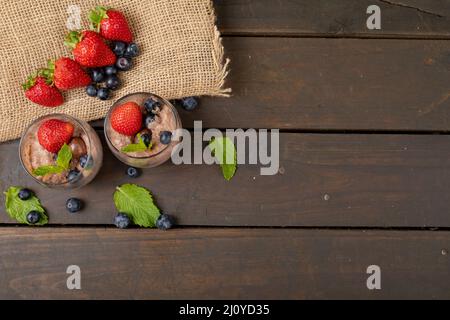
column 111, row 24
column 89, row 49
column 41, row 90
column 66, row 74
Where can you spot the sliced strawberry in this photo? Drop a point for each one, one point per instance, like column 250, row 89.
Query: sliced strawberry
column 89, row 49
column 127, row 119
column 53, row 133
column 111, row 24
column 40, row 90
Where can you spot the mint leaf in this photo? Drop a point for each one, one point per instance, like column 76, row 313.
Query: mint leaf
column 18, row 209
column 62, row 163
column 137, row 202
column 137, row 147
column 64, row 157
column 43, row 170
column 225, row 152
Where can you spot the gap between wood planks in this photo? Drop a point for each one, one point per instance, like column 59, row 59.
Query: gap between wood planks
column 324, row 228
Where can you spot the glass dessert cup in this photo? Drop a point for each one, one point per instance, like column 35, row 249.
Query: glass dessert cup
column 166, row 119
column 86, row 150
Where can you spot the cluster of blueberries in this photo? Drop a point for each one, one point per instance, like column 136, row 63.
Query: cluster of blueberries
column 105, row 80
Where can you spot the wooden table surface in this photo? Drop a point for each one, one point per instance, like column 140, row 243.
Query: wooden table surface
column 364, row 179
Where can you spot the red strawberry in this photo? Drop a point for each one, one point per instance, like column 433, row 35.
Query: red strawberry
column 53, row 133
column 41, row 91
column 127, row 119
column 111, row 24
column 67, row 74
column 89, row 49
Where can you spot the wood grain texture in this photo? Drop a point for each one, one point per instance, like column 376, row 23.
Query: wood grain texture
column 325, row 180
column 222, row 263
column 341, row 18
column 339, row 84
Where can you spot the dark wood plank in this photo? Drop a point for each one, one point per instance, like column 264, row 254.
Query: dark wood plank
column 223, row 263
column 407, row 18
column 342, row 84
column 332, row 84
column 325, row 180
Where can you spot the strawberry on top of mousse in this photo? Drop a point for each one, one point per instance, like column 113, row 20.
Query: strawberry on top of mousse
column 54, row 133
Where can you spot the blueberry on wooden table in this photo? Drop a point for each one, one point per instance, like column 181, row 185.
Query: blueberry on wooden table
column 122, row 220
column 189, row 103
column 133, row 172
column 164, row 222
column 74, row 205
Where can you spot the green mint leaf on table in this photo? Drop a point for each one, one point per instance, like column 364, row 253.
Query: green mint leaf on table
column 137, row 147
column 18, row 209
column 225, row 152
column 137, row 202
column 62, row 163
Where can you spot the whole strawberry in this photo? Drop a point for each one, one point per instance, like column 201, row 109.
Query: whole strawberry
column 89, row 49
column 40, row 90
column 127, row 119
column 111, row 24
column 67, row 74
column 53, row 133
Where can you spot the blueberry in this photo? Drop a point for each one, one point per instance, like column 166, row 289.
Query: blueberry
column 147, row 138
column 124, row 64
column 119, row 48
column 97, row 75
column 149, row 119
column 165, row 137
column 86, row 161
column 103, row 93
column 91, row 90
column 189, row 103
column 164, row 222
column 33, row 217
column 110, row 70
column 122, row 220
column 74, row 205
column 25, row 194
column 113, row 82
column 151, row 105
column 133, row 172
column 73, row 176
column 132, row 50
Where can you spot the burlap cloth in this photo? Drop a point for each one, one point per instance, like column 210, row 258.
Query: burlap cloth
column 181, row 54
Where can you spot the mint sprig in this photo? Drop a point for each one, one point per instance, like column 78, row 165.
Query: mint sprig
column 137, row 147
column 225, row 152
column 137, row 203
column 62, row 163
column 18, row 209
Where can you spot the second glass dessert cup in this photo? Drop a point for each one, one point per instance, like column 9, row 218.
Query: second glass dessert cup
column 160, row 120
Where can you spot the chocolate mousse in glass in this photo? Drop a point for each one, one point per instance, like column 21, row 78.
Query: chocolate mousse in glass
column 44, row 134
column 159, row 123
